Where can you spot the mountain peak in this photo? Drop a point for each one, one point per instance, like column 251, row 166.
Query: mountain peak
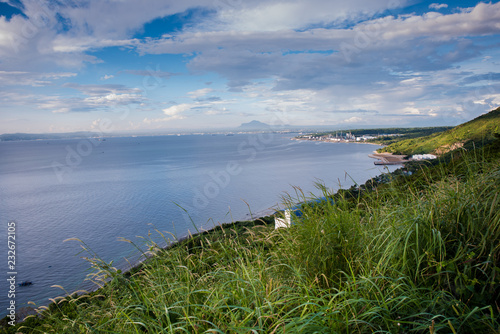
column 254, row 125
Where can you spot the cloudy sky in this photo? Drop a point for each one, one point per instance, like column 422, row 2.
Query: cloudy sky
column 163, row 64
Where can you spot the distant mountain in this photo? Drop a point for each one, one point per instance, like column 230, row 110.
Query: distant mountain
column 46, row 136
column 475, row 133
column 254, row 125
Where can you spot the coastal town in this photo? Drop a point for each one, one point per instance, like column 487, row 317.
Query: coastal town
column 345, row 137
column 375, row 139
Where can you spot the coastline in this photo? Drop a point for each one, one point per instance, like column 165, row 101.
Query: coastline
column 388, row 158
column 131, row 266
column 337, row 141
column 43, row 290
column 133, row 263
column 382, row 158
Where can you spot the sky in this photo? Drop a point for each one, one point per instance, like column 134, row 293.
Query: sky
column 165, row 65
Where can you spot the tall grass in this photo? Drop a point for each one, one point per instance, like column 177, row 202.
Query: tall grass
column 419, row 254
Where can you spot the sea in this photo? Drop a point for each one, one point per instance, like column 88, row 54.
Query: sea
column 99, row 191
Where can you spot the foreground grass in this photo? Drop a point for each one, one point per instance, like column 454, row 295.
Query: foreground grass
column 418, row 254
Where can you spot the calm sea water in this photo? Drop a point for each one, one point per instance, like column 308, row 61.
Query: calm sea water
column 98, row 191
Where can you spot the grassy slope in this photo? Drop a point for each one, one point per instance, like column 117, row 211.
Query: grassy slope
column 407, row 133
column 419, row 254
column 478, row 131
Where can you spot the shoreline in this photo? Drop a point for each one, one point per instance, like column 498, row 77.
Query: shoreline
column 337, row 142
column 388, row 158
column 382, row 158
column 130, row 264
column 130, row 267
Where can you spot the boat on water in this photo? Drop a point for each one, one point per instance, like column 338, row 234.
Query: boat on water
column 25, row 283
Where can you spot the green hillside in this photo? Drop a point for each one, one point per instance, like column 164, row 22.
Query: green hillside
column 404, row 253
column 477, row 132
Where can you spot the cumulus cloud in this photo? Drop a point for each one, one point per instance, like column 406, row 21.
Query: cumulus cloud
column 372, row 50
column 438, row 6
column 177, row 110
column 59, row 33
column 353, row 119
column 113, row 99
column 316, row 60
column 207, row 106
column 292, row 15
column 107, row 77
column 199, row 93
column 387, row 31
column 97, row 97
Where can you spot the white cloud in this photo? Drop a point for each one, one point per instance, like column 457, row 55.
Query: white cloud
column 184, row 110
column 113, row 99
column 14, row 78
column 294, row 14
column 60, row 33
column 482, row 20
column 54, row 104
column 70, row 44
column 62, row 110
column 353, row 119
column 199, row 93
column 177, row 110
column 107, row 77
column 278, row 57
column 104, row 89
column 98, row 97
column 368, row 51
column 168, row 118
column 438, row 6
column 222, row 111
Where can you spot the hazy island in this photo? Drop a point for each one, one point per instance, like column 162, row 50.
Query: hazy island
column 47, row 136
column 416, row 250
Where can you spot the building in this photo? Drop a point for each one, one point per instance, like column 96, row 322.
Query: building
column 288, row 217
column 283, row 222
column 423, row 157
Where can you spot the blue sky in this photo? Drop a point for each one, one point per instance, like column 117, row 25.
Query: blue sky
column 140, row 66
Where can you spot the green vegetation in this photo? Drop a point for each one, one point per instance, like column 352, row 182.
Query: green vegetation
column 402, row 253
column 385, row 135
column 478, row 132
column 417, row 250
column 406, row 133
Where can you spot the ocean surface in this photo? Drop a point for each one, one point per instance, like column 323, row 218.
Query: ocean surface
column 101, row 190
